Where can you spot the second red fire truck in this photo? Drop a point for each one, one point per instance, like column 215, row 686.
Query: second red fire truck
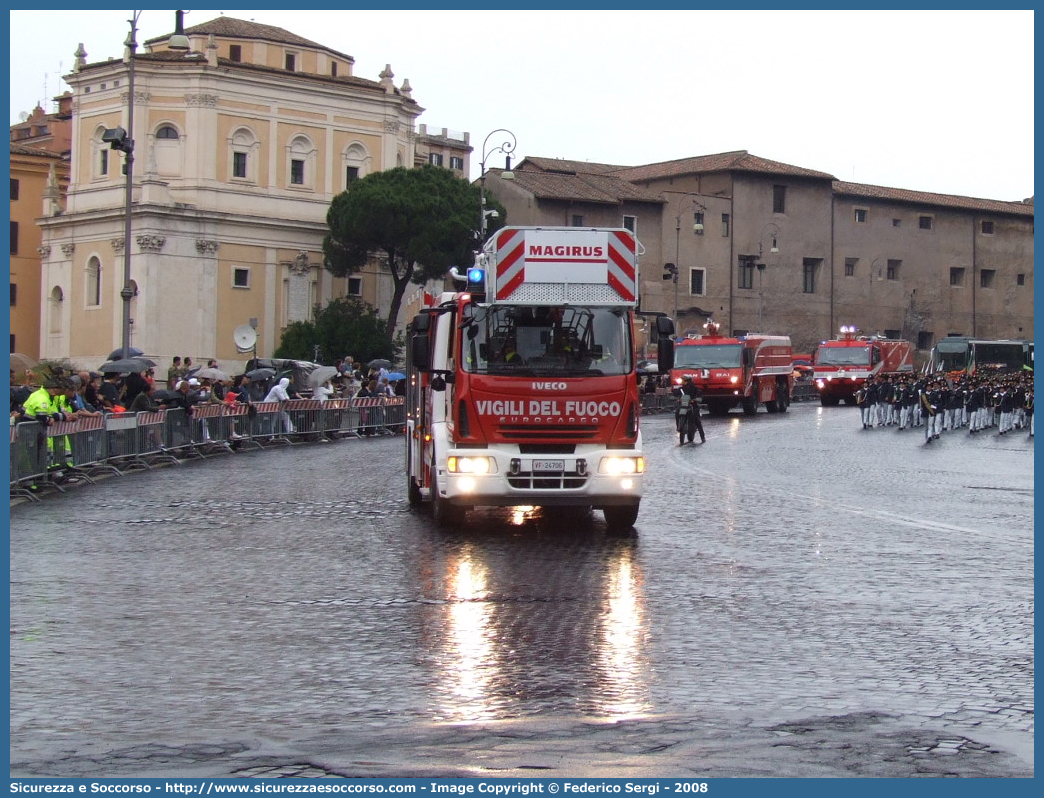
column 742, row 371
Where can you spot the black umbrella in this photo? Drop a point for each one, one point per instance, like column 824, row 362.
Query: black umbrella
column 117, row 354
column 165, row 396
column 131, row 364
column 261, row 374
column 379, row 363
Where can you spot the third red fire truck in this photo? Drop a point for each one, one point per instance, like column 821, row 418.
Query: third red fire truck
column 746, row 370
column 843, row 365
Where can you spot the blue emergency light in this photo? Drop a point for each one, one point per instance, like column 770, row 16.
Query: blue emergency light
column 476, row 275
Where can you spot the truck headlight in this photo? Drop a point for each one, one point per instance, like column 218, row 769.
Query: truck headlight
column 616, row 466
column 469, row 465
column 733, row 380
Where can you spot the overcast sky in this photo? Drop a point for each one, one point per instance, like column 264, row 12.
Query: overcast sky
column 933, row 101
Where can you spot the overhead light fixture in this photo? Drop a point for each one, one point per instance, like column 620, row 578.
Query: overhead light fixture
column 774, row 249
column 507, row 174
column 178, row 39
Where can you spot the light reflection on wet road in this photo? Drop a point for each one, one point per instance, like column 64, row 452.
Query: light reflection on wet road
column 793, row 570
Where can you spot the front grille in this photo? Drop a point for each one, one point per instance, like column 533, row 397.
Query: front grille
column 546, row 448
column 527, row 432
column 529, row 481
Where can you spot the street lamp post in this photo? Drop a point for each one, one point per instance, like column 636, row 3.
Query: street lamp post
column 123, row 140
column 672, row 271
column 507, row 148
column 772, row 228
column 128, row 148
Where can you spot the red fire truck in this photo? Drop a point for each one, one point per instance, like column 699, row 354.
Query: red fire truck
column 522, row 387
column 844, row 364
column 746, row 370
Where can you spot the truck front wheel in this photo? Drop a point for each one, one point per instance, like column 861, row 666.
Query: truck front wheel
column 444, row 513
column 750, row 405
column 620, row 517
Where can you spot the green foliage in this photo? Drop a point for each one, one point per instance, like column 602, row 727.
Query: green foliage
column 346, row 326
column 420, row 221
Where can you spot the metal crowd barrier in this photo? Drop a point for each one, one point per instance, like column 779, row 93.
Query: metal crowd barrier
column 50, row 457
column 804, row 392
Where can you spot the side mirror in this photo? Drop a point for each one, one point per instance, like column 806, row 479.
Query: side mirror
column 420, row 351
column 665, row 353
column 664, row 326
column 421, row 323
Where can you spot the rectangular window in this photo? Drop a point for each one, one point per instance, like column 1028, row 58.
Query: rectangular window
column 986, row 277
column 725, row 225
column 351, row 174
column 578, row 221
column 779, row 199
column 924, row 222
column 14, row 294
column 239, row 164
column 631, row 223
column 235, row 52
column 1020, row 279
column 808, row 266
column 103, row 162
column 296, row 172
column 333, row 69
column 746, row 272
column 435, row 158
column 240, row 277
column 956, row 275
column 291, row 62
column 861, row 215
column 850, row 266
column 456, row 162
column 925, row 340
column 893, row 334
column 354, row 286
column 14, row 189
column 986, row 227
column 14, row 238
column 897, row 222
column 696, row 281
column 892, row 272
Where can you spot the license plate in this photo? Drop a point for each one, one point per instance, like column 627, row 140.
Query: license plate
column 549, row 465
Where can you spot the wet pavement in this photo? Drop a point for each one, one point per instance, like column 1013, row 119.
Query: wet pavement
column 800, row 597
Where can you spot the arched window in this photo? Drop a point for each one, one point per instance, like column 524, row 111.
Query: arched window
column 94, row 282
column 242, row 158
column 300, row 163
column 166, row 151
column 54, row 310
column 101, row 155
column 356, row 163
column 167, row 132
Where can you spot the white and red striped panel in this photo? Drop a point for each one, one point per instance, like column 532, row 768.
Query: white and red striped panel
column 574, row 257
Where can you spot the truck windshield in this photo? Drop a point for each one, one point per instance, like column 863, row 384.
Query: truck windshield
column 708, row 356
column 536, row 341
column 843, row 356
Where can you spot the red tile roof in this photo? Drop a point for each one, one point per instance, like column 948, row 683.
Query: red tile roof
column 25, row 149
column 230, row 27
column 604, row 189
column 563, row 166
column 863, row 191
column 738, row 161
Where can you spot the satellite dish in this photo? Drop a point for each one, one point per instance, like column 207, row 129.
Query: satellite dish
column 245, row 337
column 23, row 115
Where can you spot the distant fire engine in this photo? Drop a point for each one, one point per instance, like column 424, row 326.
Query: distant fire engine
column 844, row 364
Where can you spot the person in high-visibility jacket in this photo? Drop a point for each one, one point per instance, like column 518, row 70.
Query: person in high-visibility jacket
column 48, row 405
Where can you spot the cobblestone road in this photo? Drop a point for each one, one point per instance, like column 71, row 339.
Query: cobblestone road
column 800, row 598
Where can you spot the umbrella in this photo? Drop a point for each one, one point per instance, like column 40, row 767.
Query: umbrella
column 261, row 374
column 379, row 363
column 213, row 374
column 21, row 362
column 395, row 376
column 131, row 364
column 117, row 354
column 321, row 375
column 164, row 395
